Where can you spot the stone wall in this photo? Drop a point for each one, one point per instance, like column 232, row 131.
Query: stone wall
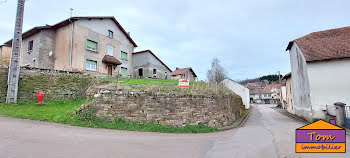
column 55, row 84
column 176, row 108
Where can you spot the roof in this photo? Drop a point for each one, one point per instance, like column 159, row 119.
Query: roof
column 255, row 84
column 324, row 45
column 288, row 75
column 66, row 22
column 145, row 51
column 111, row 60
column 260, row 91
column 273, row 85
column 320, row 125
column 182, row 71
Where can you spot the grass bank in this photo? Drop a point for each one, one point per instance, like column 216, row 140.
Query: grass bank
column 60, row 111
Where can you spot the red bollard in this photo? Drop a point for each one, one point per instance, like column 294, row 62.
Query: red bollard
column 40, row 97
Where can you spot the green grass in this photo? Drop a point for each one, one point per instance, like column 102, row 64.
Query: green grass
column 60, row 111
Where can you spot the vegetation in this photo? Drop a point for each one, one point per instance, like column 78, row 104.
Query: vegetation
column 270, row 78
column 128, row 81
column 60, row 111
column 267, row 78
column 217, row 73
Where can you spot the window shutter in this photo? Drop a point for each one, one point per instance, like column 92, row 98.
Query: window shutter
column 91, row 44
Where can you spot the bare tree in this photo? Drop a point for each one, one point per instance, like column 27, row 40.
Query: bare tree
column 217, row 73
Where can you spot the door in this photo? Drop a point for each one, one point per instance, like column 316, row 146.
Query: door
column 141, row 72
column 109, row 67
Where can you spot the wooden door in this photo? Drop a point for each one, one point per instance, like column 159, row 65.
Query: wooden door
column 109, row 67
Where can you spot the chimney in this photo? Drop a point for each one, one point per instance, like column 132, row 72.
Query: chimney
column 129, row 33
column 177, row 68
column 332, row 122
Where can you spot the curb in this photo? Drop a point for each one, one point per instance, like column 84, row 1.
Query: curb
column 239, row 124
column 303, row 120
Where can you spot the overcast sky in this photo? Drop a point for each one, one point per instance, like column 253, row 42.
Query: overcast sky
column 249, row 37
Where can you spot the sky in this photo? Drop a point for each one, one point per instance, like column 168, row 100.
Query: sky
column 248, row 37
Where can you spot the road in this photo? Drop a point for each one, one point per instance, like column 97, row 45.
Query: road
column 266, row 134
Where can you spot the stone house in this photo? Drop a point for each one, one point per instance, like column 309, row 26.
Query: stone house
column 320, row 65
column 184, row 73
column 147, row 65
column 79, row 44
column 5, row 54
column 287, row 94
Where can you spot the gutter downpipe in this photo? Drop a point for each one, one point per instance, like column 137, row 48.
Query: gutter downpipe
column 71, row 46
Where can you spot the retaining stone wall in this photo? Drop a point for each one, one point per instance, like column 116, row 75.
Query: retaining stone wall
column 167, row 108
column 54, row 84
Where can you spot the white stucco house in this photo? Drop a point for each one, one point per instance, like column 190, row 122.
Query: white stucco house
column 320, row 66
column 261, row 96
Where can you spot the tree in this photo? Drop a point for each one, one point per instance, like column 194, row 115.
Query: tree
column 217, row 73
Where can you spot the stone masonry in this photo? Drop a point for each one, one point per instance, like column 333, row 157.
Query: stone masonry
column 174, row 109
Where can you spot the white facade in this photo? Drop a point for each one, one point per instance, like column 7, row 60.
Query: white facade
column 300, row 84
column 240, row 90
column 329, row 83
column 318, row 84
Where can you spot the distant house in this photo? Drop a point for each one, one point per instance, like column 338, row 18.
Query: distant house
column 261, row 96
column 79, row 44
column 184, row 73
column 5, row 54
column 287, row 94
column 320, row 64
column 147, row 65
column 275, row 90
column 254, row 85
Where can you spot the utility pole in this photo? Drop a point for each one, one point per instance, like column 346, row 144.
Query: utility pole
column 13, row 73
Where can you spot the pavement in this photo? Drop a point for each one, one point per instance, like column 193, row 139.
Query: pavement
column 267, row 133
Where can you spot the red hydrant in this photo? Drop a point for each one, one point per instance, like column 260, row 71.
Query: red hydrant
column 40, row 97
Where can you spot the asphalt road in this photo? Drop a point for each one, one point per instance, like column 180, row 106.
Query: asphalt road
column 266, row 134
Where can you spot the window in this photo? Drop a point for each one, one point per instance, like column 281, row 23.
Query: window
column 30, row 46
column 90, row 65
column 110, row 50
column 124, row 55
column 110, row 33
column 269, row 95
column 124, row 71
column 154, row 71
column 91, row 45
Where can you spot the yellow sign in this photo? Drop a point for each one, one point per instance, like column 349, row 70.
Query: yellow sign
column 320, row 137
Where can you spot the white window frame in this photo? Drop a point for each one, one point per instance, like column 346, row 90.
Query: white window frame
column 126, row 71
column 109, row 35
column 30, row 46
column 127, row 55
column 88, row 67
column 89, row 48
column 108, row 50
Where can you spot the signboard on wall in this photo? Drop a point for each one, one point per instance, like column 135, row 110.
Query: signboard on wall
column 183, row 83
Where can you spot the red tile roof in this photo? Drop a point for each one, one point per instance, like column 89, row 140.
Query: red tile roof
column 273, row 85
column 265, row 90
column 66, row 22
column 111, row 60
column 182, row 71
column 145, row 51
column 325, row 45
